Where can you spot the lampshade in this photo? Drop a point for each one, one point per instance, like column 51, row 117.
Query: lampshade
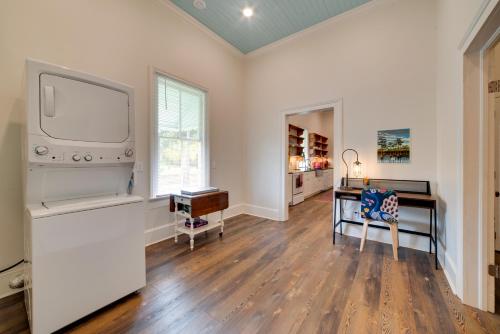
column 357, row 169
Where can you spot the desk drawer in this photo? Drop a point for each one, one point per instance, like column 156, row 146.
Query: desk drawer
column 182, row 200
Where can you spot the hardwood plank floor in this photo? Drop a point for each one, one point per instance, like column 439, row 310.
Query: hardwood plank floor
column 497, row 285
column 280, row 277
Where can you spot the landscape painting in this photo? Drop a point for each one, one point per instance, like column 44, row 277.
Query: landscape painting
column 393, row 146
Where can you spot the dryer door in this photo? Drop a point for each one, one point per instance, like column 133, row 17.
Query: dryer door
column 75, row 110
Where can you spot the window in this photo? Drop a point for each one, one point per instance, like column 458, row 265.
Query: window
column 180, row 150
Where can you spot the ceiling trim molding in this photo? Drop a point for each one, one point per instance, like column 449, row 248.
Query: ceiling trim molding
column 485, row 9
column 316, row 27
column 188, row 18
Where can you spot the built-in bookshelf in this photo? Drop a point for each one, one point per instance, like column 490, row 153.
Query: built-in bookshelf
column 295, row 140
column 318, row 145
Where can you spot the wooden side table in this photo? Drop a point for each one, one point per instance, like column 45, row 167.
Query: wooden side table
column 186, row 206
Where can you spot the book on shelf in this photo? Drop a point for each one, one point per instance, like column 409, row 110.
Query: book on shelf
column 197, row 222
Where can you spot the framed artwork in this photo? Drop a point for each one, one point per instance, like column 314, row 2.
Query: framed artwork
column 393, row 146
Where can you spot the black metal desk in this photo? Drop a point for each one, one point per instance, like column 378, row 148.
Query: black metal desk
column 423, row 201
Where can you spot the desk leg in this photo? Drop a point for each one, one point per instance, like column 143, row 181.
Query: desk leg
column 430, row 231
column 341, row 211
column 334, row 217
column 435, row 238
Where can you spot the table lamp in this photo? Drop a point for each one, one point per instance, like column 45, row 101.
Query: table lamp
column 356, row 168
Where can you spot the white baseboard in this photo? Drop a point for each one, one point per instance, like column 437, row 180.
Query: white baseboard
column 5, row 278
column 166, row 231
column 450, row 271
column 159, row 233
column 234, row 210
column 260, row 211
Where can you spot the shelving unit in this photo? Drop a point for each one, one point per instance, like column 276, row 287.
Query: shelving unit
column 180, row 227
column 295, row 140
column 318, row 145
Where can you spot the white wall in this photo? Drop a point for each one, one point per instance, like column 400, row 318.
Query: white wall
column 119, row 40
column 453, row 19
column 381, row 60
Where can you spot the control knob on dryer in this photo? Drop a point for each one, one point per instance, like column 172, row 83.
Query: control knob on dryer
column 77, row 157
column 87, row 157
column 129, row 152
column 41, row 150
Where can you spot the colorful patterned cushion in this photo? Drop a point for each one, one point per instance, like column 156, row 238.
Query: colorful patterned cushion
column 380, row 204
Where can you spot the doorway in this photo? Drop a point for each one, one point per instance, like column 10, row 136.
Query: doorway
column 477, row 183
column 310, row 154
column 311, row 140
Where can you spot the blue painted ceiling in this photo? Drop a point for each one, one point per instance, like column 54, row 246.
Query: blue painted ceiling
column 272, row 19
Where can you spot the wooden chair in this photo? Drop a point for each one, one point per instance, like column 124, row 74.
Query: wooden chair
column 380, row 205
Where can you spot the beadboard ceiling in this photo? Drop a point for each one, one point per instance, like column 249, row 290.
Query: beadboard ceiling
column 272, row 19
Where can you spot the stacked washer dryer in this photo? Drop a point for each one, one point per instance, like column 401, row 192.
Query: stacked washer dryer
column 84, row 231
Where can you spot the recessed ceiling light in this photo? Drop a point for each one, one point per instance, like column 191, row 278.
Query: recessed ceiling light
column 200, row 4
column 248, row 12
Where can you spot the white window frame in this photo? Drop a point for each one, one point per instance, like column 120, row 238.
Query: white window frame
column 155, row 72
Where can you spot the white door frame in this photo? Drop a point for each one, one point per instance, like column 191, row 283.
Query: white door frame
column 476, row 291
column 487, row 185
column 338, row 144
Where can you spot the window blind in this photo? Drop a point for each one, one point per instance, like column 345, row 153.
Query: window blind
column 180, row 147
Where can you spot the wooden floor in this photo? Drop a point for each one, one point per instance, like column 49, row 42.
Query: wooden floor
column 497, row 285
column 275, row 277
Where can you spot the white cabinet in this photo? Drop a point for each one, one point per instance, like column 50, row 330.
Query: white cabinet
column 309, row 183
column 317, row 182
column 312, row 184
column 327, row 179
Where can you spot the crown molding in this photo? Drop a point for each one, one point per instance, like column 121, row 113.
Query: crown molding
column 273, row 45
column 202, row 27
column 316, row 27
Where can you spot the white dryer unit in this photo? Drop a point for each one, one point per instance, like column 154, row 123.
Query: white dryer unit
column 84, row 230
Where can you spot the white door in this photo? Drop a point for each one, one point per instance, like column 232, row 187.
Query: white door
column 75, row 110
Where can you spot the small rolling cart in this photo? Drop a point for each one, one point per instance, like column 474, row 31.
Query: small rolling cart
column 194, row 206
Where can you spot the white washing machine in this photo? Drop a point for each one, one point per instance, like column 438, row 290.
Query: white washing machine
column 84, row 228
